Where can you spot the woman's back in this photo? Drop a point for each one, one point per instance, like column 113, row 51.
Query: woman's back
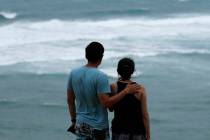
column 127, row 114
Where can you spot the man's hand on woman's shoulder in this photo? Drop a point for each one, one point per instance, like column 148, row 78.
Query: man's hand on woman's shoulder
column 132, row 88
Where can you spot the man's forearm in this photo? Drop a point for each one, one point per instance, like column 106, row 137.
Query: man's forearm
column 116, row 98
column 107, row 101
column 71, row 104
column 72, row 111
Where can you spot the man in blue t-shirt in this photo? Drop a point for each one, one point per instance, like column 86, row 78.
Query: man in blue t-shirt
column 88, row 97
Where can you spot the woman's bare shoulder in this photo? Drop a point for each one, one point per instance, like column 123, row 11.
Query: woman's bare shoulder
column 141, row 92
column 113, row 87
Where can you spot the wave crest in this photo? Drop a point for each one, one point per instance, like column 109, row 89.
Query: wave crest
column 5, row 101
column 50, row 46
column 8, row 15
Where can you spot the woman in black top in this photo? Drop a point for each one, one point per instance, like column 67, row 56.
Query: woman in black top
column 131, row 118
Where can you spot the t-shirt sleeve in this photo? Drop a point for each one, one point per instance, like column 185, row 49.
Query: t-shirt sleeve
column 103, row 84
column 69, row 84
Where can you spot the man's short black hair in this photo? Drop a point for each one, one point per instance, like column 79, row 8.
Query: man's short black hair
column 94, row 52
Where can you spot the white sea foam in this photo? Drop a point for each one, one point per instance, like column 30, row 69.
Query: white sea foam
column 54, row 40
column 57, row 30
column 5, row 100
column 8, row 15
column 38, row 53
column 48, row 104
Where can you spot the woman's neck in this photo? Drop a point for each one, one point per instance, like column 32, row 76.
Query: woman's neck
column 125, row 80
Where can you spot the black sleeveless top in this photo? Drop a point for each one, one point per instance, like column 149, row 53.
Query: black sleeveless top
column 127, row 114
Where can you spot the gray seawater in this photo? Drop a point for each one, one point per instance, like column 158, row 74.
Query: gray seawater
column 41, row 41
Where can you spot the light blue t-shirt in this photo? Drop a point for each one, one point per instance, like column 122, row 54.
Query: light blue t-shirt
column 87, row 83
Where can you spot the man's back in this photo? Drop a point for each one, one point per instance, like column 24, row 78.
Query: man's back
column 87, row 83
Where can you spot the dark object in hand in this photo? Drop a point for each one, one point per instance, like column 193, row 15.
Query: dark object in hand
column 72, row 129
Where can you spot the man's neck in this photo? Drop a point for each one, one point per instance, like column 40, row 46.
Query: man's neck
column 94, row 65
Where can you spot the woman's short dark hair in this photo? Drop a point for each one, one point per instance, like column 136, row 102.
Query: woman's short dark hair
column 125, row 68
column 94, row 52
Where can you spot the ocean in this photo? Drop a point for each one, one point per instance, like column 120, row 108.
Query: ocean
column 41, row 41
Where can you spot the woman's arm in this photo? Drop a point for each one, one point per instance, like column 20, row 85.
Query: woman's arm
column 146, row 119
column 113, row 88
